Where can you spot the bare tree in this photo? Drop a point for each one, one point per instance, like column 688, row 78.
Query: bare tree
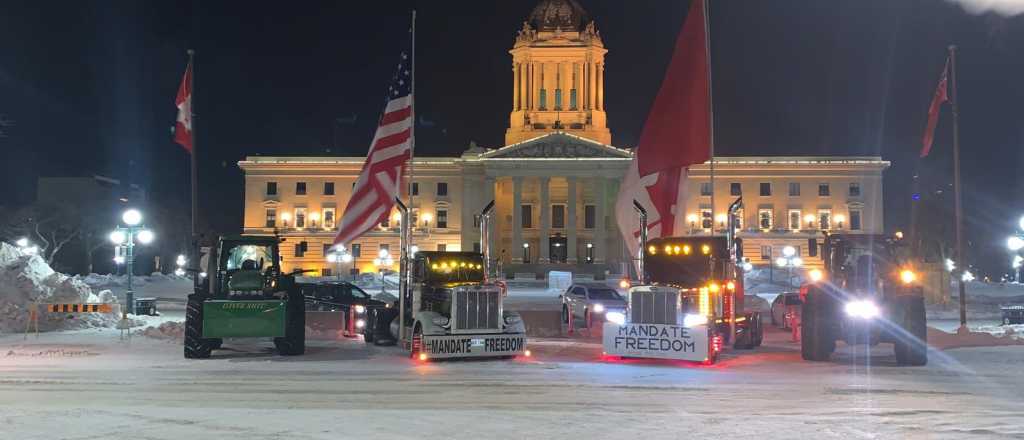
column 5, row 123
column 50, row 227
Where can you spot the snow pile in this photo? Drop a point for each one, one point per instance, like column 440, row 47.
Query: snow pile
column 966, row 338
column 25, row 279
column 170, row 330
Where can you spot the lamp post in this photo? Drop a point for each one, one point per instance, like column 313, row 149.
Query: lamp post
column 839, row 221
column 809, row 218
column 340, row 256
column 124, row 237
column 526, row 252
column 721, row 218
column 180, row 261
column 789, row 260
column 1015, row 243
column 382, row 262
column 692, row 218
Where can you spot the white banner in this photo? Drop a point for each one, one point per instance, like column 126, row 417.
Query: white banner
column 659, row 341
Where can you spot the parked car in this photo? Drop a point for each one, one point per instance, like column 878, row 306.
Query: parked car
column 337, row 296
column 591, row 303
column 783, row 304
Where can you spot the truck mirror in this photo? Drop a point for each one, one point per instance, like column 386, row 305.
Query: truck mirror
column 812, row 247
column 739, row 248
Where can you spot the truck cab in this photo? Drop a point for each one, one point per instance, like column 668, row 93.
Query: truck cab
column 453, row 312
column 685, row 310
column 869, row 292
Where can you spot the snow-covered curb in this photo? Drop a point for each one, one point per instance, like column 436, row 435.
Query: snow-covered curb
column 966, row 338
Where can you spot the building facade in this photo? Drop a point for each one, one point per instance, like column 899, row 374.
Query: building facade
column 555, row 180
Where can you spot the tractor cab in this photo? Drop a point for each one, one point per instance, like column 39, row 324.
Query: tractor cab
column 245, row 295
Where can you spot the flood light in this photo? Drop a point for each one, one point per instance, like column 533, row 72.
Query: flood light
column 131, row 217
column 146, row 236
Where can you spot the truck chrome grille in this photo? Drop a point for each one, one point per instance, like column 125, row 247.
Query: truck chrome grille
column 653, row 307
column 477, row 309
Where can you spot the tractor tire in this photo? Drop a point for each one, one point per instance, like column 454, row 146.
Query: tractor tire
column 816, row 339
column 195, row 346
column 912, row 344
column 294, row 341
column 215, row 343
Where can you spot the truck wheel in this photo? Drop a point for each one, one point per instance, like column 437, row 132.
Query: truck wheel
column 912, row 345
column 816, row 340
column 294, row 341
column 195, row 346
column 758, row 328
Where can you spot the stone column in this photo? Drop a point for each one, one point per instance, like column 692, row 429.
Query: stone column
column 591, row 87
column 600, row 229
column 515, row 86
column 545, row 220
column 600, row 87
column 570, row 232
column 492, row 240
column 517, row 220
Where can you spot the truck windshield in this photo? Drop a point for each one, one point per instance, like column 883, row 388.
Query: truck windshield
column 685, row 261
column 460, row 268
column 248, row 257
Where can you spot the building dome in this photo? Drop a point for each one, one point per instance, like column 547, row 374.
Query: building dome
column 566, row 15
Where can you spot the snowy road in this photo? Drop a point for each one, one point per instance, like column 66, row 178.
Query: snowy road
column 89, row 385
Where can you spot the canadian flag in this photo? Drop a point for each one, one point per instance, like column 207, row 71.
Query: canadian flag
column 677, row 134
column 183, row 125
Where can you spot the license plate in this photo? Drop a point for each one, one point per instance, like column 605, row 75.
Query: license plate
column 476, row 342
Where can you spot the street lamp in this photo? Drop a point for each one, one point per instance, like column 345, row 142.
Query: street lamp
column 285, row 217
column 526, row 252
column 382, row 262
column 124, row 238
column 721, row 218
column 692, row 218
column 180, row 262
column 339, row 255
column 22, row 242
column 789, row 260
column 809, row 218
column 839, row 220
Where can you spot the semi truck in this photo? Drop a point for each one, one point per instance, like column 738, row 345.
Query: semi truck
column 450, row 308
column 688, row 303
column 869, row 292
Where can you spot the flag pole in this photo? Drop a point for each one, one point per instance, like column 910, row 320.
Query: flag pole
column 711, row 112
column 406, row 232
column 958, row 210
column 193, row 166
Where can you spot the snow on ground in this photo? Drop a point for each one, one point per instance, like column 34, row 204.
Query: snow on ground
column 90, row 384
column 27, row 281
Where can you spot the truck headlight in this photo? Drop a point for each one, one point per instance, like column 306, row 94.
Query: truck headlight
column 908, row 276
column 512, row 319
column 598, row 308
column 815, row 275
column 360, row 309
column 618, row 318
column 439, row 321
column 863, row 309
column 360, row 323
column 693, row 320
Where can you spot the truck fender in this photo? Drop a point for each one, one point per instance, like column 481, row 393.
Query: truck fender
column 426, row 321
column 513, row 322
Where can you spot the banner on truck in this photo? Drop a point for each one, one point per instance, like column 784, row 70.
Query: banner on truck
column 659, row 341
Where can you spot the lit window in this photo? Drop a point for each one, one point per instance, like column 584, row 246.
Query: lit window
column 764, row 218
column 300, row 217
column 707, row 221
column 271, row 217
column 795, row 216
column 824, row 219
column 329, row 218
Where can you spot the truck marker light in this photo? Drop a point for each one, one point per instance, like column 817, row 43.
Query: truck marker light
column 527, row 353
column 730, row 285
column 675, row 250
column 705, row 249
column 652, row 250
column 423, row 356
column 686, row 249
column 668, row 249
column 624, row 283
column 713, row 287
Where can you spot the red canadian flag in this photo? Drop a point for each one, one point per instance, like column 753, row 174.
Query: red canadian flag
column 677, row 134
column 183, row 125
column 940, row 96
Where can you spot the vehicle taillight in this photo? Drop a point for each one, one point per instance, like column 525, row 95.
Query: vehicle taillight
column 716, row 343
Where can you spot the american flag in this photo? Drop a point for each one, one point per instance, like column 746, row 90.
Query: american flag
column 379, row 182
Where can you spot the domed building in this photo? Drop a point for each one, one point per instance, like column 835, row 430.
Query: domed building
column 555, row 180
column 558, row 75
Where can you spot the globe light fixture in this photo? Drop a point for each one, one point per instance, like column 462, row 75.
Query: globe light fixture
column 146, row 236
column 118, row 237
column 131, row 217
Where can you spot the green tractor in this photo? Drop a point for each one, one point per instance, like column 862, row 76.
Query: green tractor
column 245, row 295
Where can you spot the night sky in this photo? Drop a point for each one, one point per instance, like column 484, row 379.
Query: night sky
column 90, row 87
